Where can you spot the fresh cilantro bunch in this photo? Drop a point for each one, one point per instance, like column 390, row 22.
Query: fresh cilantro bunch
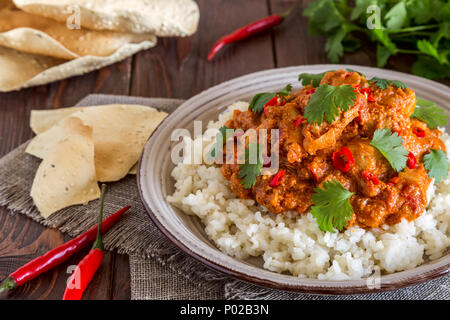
column 418, row 27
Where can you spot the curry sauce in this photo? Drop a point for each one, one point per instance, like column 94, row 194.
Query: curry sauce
column 309, row 153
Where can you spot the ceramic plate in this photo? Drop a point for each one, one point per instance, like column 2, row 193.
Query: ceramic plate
column 186, row 232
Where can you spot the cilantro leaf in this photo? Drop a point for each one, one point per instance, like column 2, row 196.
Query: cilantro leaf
column 324, row 16
column 311, row 78
column 397, row 16
column 426, row 66
column 360, row 8
column 428, row 48
column 429, row 112
column 334, row 47
column 390, row 146
column 332, row 208
column 259, row 100
column 384, row 83
column 223, row 135
column 327, row 101
column 285, row 91
column 251, row 169
column 436, row 163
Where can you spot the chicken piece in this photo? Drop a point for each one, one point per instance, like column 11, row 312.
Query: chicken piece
column 368, row 159
column 291, row 194
column 325, row 136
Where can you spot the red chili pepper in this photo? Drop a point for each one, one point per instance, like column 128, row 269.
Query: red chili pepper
column 58, row 255
column 87, row 267
column 369, row 94
column 249, row 30
column 343, row 159
column 356, row 87
column 419, row 132
column 271, row 102
column 368, row 175
column 276, row 180
column 299, row 120
column 398, row 131
column 311, row 91
column 412, row 161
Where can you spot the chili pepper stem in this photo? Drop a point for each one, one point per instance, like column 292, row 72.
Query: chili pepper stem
column 7, row 284
column 288, row 12
column 98, row 244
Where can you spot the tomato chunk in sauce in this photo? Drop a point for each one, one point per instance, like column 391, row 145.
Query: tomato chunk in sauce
column 381, row 195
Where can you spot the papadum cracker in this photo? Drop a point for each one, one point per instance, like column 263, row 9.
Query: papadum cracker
column 160, row 17
column 30, row 33
column 120, row 132
column 66, row 176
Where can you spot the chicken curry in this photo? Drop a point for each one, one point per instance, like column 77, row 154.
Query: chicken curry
column 350, row 148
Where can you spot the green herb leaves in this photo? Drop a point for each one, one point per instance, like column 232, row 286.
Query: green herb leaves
column 332, row 208
column 412, row 27
column 251, row 169
column 390, row 146
column 384, row 83
column 311, row 78
column 427, row 111
column 222, row 136
column 436, row 163
column 328, row 101
column 259, row 100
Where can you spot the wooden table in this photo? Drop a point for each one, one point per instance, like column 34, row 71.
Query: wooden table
column 176, row 68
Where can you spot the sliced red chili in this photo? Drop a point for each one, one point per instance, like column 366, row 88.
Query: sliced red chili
column 419, row 132
column 276, row 180
column 271, row 102
column 299, row 120
column 399, row 131
column 343, row 159
column 370, row 176
column 368, row 93
column 412, row 161
column 311, row 91
column 357, row 87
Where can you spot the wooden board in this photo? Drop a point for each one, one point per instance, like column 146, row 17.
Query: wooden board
column 176, row 68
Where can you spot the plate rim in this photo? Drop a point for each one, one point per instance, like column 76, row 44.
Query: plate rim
column 339, row 288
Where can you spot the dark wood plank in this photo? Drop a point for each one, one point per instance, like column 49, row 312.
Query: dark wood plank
column 177, row 68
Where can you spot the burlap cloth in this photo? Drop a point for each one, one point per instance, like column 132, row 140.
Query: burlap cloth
column 158, row 269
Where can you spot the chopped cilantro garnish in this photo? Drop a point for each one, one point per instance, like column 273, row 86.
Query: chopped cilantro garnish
column 259, row 100
column 216, row 150
column 251, row 169
column 311, row 78
column 327, row 101
column 384, row 83
column 390, row 146
column 332, row 208
column 427, row 111
column 436, row 163
column 285, row 91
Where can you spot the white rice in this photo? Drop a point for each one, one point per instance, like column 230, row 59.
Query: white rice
column 292, row 243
